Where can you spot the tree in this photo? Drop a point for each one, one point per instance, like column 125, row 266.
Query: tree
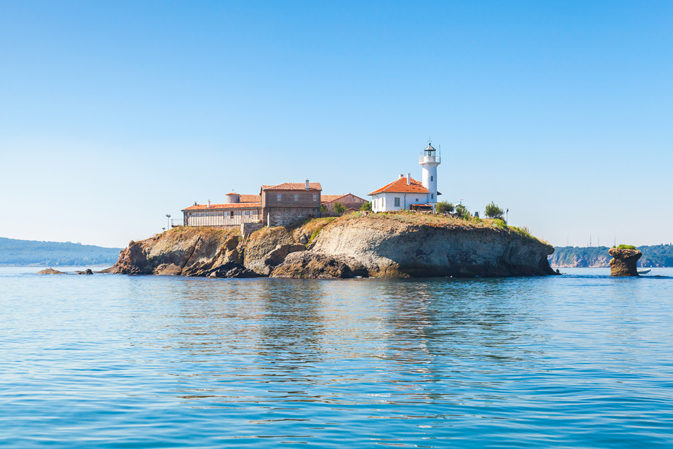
column 463, row 212
column 339, row 208
column 323, row 208
column 493, row 211
column 367, row 207
column 443, row 207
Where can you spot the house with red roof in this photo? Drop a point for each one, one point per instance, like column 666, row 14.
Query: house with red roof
column 290, row 202
column 235, row 210
column 408, row 193
column 348, row 200
column 276, row 205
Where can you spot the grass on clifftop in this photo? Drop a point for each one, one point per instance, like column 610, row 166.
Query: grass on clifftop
column 182, row 233
column 441, row 221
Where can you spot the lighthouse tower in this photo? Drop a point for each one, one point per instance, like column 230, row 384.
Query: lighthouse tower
column 429, row 160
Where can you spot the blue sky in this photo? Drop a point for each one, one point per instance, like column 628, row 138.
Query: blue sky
column 113, row 114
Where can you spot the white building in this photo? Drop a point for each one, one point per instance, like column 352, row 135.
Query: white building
column 406, row 192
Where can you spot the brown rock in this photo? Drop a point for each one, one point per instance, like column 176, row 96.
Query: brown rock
column 50, row 271
column 625, row 262
column 318, row 266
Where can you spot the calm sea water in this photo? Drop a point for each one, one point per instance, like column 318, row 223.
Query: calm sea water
column 581, row 360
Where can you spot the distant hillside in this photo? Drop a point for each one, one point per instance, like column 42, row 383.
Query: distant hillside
column 597, row 256
column 29, row 252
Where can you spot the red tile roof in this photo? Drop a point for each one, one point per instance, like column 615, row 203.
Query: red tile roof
column 250, row 198
column 400, row 186
column 294, row 186
column 330, row 198
column 224, row 206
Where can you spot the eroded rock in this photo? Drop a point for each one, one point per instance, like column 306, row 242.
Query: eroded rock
column 319, row 266
column 624, row 262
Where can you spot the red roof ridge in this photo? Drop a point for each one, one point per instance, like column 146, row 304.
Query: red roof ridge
column 400, row 186
column 293, row 186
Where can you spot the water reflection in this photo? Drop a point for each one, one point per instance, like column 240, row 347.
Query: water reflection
column 365, row 361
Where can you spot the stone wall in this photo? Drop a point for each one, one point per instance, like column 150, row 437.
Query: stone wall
column 249, row 228
column 284, row 216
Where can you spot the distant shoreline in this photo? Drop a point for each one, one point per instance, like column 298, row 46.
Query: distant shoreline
column 654, row 256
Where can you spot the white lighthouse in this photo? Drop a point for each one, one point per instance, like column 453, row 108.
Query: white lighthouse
column 429, row 160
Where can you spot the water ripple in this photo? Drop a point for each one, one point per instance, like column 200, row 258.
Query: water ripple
column 117, row 361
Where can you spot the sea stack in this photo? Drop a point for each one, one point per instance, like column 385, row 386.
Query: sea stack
column 624, row 262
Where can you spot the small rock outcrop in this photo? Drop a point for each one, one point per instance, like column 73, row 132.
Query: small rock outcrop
column 310, row 265
column 50, row 271
column 182, row 252
column 624, row 262
column 86, row 272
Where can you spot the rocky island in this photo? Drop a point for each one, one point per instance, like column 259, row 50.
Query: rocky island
column 625, row 261
column 401, row 244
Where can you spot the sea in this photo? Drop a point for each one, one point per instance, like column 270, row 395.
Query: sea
column 114, row 361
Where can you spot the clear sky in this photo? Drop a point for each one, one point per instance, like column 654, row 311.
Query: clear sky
column 114, row 114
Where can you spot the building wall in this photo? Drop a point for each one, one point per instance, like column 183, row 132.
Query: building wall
column 304, row 198
column 406, row 199
column 283, row 216
column 348, row 201
column 221, row 217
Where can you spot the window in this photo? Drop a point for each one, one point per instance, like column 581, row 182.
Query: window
column 296, row 197
column 245, row 212
column 231, row 214
column 417, row 200
column 278, row 197
column 432, row 196
column 315, row 197
column 397, row 202
column 432, row 178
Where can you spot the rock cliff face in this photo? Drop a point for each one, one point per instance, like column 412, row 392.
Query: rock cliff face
column 387, row 245
column 185, row 252
column 370, row 246
column 625, row 262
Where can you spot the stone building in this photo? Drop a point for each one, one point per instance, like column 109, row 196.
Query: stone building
column 289, row 202
column 349, row 201
column 237, row 209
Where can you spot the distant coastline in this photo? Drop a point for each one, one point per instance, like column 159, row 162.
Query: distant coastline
column 27, row 253
column 598, row 257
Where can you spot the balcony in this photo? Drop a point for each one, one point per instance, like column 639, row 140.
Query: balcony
column 430, row 160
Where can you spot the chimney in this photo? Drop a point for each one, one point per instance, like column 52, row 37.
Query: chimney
column 307, row 184
column 401, row 175
column 408, row 179
column 208, row 204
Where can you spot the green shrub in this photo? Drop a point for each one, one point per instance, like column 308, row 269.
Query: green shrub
column 323, row 208
column 500, row 223
column 367, row 207
column 626, row 247
column 493, row 211
column 339, row 208
column 444, row 207
column 463, row 212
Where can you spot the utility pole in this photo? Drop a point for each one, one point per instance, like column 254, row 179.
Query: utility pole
column 506, row 216
column 168, row 218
